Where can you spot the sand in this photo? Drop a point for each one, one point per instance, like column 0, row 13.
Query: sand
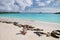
column 10, row 31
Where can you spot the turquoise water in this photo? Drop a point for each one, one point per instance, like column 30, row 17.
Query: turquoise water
column 41, row 17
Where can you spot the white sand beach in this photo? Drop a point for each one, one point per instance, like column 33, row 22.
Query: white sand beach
column 9, row 31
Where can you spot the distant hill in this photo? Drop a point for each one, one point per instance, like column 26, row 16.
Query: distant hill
column 57, row 13
column 8, row 12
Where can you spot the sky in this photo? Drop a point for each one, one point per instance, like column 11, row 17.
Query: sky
column 29, row 5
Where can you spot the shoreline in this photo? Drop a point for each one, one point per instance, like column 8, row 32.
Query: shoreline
column 31, row 22
column 17, row 20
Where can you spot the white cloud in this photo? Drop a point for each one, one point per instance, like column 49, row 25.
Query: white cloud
column 10, row 6
column 48, row 2
column 41, row 4
column 37, row 0
column 48, row 10
column 29, row 2
column 56, row 2
column 7, row 4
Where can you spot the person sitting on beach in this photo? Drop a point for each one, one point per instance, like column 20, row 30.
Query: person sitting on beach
column 24, row 30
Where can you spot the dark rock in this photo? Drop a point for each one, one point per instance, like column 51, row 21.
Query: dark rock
column 55, row 33
column 3, row 21
column 19, row 25
column 48, row 34
column 37, row 33
column 15, row 23
column 8, row 22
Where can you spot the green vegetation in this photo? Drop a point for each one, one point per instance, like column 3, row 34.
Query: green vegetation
column 57, row 13
column 8, row 12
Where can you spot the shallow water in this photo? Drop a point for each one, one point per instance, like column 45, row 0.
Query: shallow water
column 34, row 16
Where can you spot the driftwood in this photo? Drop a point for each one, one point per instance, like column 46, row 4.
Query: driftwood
column 40, row 33
column 28, row 27
column 16, row 24
column 37, row 29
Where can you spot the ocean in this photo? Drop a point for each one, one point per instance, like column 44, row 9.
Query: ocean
column 48, row 17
